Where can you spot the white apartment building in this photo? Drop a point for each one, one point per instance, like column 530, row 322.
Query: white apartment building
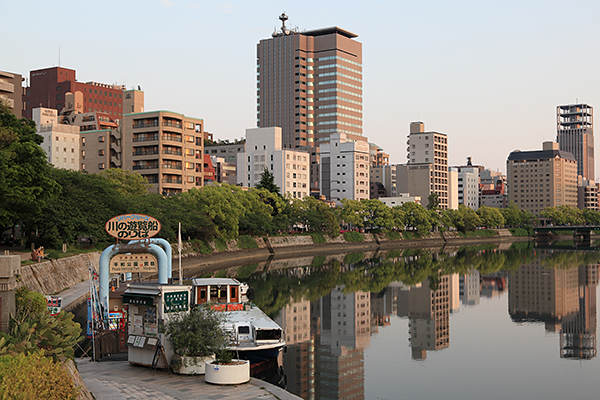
column 468, row 187
column 400, row 199
column 61, row 142
column 290, row 168
column 344, row 169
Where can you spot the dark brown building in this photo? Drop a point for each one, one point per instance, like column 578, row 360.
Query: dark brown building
column 48, row 88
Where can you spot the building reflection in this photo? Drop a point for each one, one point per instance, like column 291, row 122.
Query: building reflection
column 428, row 312
column 563, row 299
column 326, row 339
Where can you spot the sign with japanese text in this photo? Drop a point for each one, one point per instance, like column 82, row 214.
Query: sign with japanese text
column 132, row 226
column 142, row 262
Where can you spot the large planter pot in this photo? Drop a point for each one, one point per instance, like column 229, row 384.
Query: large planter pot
column 227, row 374
column 189, row 365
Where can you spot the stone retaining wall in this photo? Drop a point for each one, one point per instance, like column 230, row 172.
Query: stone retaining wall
column 284, row 241
column 53, row 276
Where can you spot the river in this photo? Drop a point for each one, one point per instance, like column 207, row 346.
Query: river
column 478, row 322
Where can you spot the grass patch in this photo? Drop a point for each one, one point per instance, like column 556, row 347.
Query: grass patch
column 221, row 274
column 353, row 237
column 318, row 238
column 206, row 275
column 246, row 242
column 394, row 254
column 201, row 247
column 353, row 258
column 220, row 244
column 393, row 235
column 408, row 235
column 318, row 261
column 245, row 271
column 521, row 231
column 478, row 233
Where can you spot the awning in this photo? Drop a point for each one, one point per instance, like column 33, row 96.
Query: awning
column 138, row 299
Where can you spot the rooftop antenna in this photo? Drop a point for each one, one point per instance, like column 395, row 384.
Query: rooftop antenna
column 283, row 18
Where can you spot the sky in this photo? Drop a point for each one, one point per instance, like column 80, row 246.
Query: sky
column 489, row 74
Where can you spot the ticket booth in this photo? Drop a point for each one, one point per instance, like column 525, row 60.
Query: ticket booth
column 149, row 307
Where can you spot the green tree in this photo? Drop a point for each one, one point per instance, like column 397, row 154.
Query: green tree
column 433, row 201
column 490, row 217
column 316, row 215
column 378, row 215
column 417, row 217
column 267, row 181
column 353, row 212
column 24, row 172
column 127, row 182
column 512, row 215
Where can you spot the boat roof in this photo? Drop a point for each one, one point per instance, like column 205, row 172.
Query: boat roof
column 254, row 315
column 215, row 282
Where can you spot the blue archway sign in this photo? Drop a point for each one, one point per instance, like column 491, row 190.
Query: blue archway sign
column 152, row 246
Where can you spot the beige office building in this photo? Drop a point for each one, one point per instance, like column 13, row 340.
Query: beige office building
column 166, row 148
column 11, row 92
column 429, row 148
column 542, row 178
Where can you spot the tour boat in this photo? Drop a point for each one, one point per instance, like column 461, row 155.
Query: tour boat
column 253, row 334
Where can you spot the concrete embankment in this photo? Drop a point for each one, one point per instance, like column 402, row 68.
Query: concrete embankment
column 287, row 247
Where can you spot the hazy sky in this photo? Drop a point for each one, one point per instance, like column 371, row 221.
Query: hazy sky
column 487, row 73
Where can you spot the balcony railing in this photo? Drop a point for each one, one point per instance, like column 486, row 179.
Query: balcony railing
column 173, row 181
column 174, row 152
column 145, row 166
column 145, row 152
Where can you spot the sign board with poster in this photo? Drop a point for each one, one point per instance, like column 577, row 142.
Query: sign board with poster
column 142, row 262
column 132, row 226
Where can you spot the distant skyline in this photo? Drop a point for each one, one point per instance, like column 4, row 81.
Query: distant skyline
column 488, row 74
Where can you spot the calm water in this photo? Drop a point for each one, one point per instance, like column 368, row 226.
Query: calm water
column 469, row 323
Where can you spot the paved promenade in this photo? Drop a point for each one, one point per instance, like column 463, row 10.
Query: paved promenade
column 112, row 380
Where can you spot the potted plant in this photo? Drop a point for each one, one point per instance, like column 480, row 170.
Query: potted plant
column 224, row 370
column 195, row 336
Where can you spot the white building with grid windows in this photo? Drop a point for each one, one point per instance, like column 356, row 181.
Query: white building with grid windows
column 61, row 141
column 290, row 168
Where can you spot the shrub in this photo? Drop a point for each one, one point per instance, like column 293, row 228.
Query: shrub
column 393, row 235
column 353, row 237
column 34, row 376
column 198, row 333
column 318, row 238
column 220, row 244
column 246, row 242
column 522, row 231
column 407, row 235
column 29, row 304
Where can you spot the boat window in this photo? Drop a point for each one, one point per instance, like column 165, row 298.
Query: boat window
column 223, row 295
column 203, row 294
column 244, row 329
column 233, row 294
column 213, row 293
column 268, row 334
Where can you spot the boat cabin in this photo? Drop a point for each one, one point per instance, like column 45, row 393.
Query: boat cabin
column 216, row 290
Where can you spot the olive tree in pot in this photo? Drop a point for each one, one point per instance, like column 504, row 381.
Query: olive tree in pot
column 195, row 336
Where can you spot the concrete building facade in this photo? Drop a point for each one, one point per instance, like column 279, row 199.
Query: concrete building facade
column 542, row 178
column 11, row 92
column 290, row 168
column 386, row 176
column 575, row 134
column 400, row 199
column 61, row 141
column 166, row 148
column 344, row 169
column 468, row 187
column 430, row 148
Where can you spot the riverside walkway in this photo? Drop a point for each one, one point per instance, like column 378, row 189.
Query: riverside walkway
column 113, row 380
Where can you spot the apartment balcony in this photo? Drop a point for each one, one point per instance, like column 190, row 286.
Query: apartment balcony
column 7, row 87
column 172, row 152
column 173, row 181
column 145, row 167
column 141, row 153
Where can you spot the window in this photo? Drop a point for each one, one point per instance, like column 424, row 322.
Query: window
column 101, row 139
column 101, row 152
column 101, row 166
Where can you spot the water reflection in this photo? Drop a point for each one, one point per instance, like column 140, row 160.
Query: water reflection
column 334, row 308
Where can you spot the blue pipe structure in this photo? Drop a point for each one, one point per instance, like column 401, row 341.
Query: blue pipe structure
column 111, row 251
column 165, row 245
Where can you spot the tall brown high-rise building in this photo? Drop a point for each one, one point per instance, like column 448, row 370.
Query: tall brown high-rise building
column 310, row 84
column 575, row 134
